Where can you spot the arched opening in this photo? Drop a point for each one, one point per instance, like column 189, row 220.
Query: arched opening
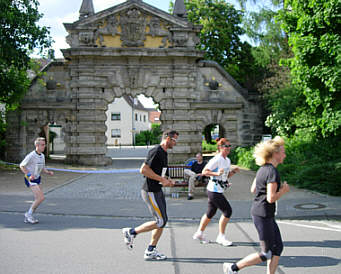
column 213, row 131
column 131, row 121
column 210, row 134
column 56, row 141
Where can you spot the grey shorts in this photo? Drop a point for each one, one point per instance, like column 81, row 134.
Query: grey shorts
column 156, row 203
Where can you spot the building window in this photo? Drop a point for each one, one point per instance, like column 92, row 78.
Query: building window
column 116, row 133
column 144, row 118
column 140, row 117
column 136, row 117
column 115, row 116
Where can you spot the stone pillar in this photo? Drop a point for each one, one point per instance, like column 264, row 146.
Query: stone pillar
column 15, row 137
column 178, row 111
column 87, row 134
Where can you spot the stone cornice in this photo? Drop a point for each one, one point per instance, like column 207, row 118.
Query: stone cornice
column 50, row 106
column 140, row 52
column 217, row 106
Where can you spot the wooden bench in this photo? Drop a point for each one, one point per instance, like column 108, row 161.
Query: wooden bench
column 177, row 173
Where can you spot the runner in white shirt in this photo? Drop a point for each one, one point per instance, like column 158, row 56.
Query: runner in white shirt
column 32, row 166
column 218, row 168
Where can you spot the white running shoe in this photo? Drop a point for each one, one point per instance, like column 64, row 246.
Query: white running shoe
column 223, row 241
column 128, row 238
column 200, row 236
column 30, row 219
column 154, row 255
column 227, row 267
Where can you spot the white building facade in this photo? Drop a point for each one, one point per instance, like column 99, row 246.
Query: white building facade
column 126, row 117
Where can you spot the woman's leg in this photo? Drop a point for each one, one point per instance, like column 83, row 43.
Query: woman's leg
column 249, row 260
column 224, row 206
column 266, row 233
column 222, row 224
column 203, row 223
column 277, row 250
column 272, row 265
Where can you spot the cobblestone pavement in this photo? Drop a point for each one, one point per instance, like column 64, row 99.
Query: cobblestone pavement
column 102, row 186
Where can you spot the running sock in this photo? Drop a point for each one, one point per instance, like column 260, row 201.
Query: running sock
column 151, row 247
column 30, row 211
column 132, row 232
column 234, row 267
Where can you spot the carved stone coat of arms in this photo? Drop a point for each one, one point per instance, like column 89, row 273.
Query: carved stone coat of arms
column 133, row 25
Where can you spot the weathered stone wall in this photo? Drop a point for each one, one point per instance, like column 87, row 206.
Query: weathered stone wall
column 83, row 88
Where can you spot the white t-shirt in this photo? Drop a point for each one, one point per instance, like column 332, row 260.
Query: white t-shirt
column 34, row 163
column 216, row 163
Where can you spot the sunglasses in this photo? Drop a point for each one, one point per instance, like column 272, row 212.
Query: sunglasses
column 225, row 146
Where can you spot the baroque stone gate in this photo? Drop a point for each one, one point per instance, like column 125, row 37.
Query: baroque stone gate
column 132, row 48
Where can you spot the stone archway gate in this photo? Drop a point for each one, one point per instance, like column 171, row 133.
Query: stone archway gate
column 132, row 48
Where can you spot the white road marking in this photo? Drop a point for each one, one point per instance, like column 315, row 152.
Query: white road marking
column 310, row 226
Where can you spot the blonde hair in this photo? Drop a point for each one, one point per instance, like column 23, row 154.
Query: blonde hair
column 38, row 140
column 264, row 150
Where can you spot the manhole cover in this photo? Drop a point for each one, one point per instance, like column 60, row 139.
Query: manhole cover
column 309, row 206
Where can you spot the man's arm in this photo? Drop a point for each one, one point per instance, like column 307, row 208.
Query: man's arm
column 149, row 173
column 50, row 172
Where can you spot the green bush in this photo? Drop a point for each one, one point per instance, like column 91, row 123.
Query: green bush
column 311, row 163
column 149, row 137
column 209, row 147
column 243, row 157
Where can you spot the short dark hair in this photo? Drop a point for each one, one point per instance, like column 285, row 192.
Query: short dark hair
column 38, row 140
column 169, row 133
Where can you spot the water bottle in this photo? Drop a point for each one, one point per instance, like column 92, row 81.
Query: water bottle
column 224, row 175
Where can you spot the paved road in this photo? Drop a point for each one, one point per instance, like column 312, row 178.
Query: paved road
column 82, row 216
column 130, row 152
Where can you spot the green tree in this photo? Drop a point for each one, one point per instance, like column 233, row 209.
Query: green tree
column 149, row 137
column 156, row 133
column 263, row 28
column 19, row 36
column 313, row 28
column 220, row 38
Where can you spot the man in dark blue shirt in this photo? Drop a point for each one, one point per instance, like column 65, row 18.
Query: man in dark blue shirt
column 195, row 175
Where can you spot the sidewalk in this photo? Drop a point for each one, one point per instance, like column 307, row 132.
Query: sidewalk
column 79, row 193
